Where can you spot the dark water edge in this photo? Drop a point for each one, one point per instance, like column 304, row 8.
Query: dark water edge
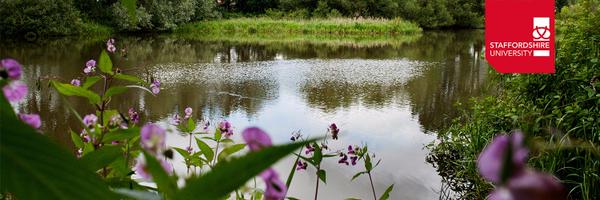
column 391, row 94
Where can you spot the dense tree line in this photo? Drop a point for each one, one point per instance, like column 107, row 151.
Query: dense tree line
column 428, row 13
column 64, row 17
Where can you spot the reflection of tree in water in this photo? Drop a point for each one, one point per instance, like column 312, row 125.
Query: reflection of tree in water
column 457, row 73
column 460, row 75
column 330, row 96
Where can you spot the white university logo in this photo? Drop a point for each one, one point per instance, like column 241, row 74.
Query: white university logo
column 541, row 29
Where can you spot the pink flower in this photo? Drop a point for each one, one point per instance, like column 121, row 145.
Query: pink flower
column 12, row 68
column 176, row 120
column 334, row 131
column 111, row 48
column 76, row 82
column 276, row 189
column 15, row 91
column 492, row 159
column 90, row 66
column 301, row 165
column 90, row 63
column 153, row 138
column 309, row 149
column 155, row 87
column 530, row 185
column 90, row 120
column 110, row 41
column 188, row 112
column 226, row 128
column 32, row 119
column 256, row 138
column 343, row 159
column 133, row 116
column 503, row 162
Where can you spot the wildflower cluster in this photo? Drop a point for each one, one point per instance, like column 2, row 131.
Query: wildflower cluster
column 15, row 90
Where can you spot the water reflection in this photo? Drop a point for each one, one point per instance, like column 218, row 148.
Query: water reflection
column 385, row 95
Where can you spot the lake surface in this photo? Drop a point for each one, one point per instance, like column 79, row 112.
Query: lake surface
column 391, row 96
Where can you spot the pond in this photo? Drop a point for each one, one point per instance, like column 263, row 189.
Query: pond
column 391, row 96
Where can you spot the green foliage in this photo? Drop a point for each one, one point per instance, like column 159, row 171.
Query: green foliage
column 30, row 160
column 386, row 194
column 324, row 26
column 559, row 112
column 101, row 158
column 32, row 18
column 226, row 177
column 71, row 90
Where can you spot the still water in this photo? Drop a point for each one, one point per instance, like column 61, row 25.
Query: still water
column 390, row 96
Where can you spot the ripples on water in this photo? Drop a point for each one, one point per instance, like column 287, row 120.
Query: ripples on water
column 391, row 97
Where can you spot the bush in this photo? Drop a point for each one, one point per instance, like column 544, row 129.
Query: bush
column 123, row 21
column 560, row 113
column 38, row 18
column 206, row 9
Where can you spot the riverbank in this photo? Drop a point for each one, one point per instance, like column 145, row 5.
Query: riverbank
column 559, row 113
column 336, row 26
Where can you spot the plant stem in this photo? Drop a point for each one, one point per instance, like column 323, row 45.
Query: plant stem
column 317, row 185
column 216, row 153
column 189, row 147
column 372, row 187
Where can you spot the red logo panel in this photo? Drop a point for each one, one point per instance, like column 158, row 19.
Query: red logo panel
column 519, row 35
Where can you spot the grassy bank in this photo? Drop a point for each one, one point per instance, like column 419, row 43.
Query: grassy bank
column 300, row 39
column 560, row 113
column 340, row 26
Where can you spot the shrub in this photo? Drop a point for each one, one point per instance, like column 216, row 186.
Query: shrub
column 561, row 113
column 38, row 17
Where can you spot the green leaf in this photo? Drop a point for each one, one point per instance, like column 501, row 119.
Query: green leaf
column 368, row 164
column 191, row 125
column 322, row 175
column 34, row 167
column 309, row 160
column 318, row 154
column 71, row 90
column 101, row 157
column 87, row 148
column 76, row 140
column 104, row 63
column 257, row 195
column 108, row 114
column 226, row 140
column 386, row 194
column 235, row 173
column 119, row 168
column 159, row 175
column 115, row 90
column 230, row 150
column 129, row 78
column 205, row 149
column 184, row 153
column 218, row 134
column 90, row 81
column 121, row 134
column 357, row 175
column 137, row 194
column 288, row 182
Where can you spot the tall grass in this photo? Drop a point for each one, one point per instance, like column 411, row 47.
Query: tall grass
column 337, row 26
